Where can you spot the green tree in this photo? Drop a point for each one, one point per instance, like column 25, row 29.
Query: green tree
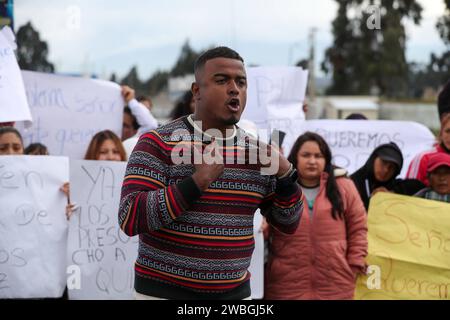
column 441, row 64
column 160, row 79
column 32, row 52
column 158, row 82
column 437, row 71
column 337, row 57
column 132, row 80
column 443, row 24
column 113, row 77
column 304, row 63
column 363, row 59
column 185, row 62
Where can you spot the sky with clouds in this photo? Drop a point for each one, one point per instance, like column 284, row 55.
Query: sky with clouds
column 105, row 36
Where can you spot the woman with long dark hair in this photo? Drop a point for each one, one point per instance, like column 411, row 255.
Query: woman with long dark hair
column 322, row 258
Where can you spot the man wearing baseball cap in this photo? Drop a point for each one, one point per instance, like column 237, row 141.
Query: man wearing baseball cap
column 438, row 170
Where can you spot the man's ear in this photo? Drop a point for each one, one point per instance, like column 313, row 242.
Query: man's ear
column 195, row 89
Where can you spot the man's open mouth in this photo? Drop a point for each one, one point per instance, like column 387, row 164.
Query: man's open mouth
column 233, row 105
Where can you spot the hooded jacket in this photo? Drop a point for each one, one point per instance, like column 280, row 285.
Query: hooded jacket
column 364, row 177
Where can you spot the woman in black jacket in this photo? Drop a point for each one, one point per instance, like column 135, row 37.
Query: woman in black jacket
column 379, row 174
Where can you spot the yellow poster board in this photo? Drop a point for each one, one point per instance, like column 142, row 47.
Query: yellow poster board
column 409, row 249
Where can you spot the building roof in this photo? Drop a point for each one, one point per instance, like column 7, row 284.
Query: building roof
column 353, row 103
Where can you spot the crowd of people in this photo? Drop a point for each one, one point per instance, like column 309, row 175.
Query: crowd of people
column 195, row 220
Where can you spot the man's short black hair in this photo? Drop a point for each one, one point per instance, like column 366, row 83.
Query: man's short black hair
column 444, row 100
column 218, row 52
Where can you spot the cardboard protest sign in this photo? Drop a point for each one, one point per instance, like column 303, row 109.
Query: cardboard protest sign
column 33, row 226
column 13, row 101
column 256, row 268
column 97, row 245
column 409, row 249
column 352, row 141
column 275, row 93
column 69, row 111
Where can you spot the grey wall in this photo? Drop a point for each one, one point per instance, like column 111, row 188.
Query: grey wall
column 426, row 114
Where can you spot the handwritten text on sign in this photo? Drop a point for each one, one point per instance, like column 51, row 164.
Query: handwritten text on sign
column 104, row 253
column 33, row 226
column 352, row 141
column 69, row 111
column 409, row 241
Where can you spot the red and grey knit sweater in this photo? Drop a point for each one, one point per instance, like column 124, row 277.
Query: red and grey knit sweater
column 195, row 244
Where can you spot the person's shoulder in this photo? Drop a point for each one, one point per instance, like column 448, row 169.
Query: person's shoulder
column 170, row 130
column 421, row 193
column 343, row 180
column 179, row 123
column 427, row 153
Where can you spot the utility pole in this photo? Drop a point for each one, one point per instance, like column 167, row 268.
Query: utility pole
column 311, row 66
column 233, row 25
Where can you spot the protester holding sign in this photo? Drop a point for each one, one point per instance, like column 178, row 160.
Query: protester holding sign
column 10, row 141
column 137, row 119
column 418, row 167
column 379, row 174
column 33, row 231
column 322, row 258
column 142, row 114
column 195, row 220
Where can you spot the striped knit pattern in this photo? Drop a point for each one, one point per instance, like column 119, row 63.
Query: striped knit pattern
column 199, row 242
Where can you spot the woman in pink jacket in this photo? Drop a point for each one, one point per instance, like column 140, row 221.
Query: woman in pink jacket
column 323, row 257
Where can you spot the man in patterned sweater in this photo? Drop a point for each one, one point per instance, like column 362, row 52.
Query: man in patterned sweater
column 195, row 218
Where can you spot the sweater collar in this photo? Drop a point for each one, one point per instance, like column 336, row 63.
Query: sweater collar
column 197, row 129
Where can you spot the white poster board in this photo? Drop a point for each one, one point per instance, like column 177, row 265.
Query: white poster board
column 257, row 263
column 13, row 101
column 97, row 245
column 33, row 226
column 69, row 111
column 352, row 141
column 275, row 93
